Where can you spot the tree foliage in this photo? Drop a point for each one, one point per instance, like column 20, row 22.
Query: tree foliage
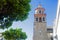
column 14, row 34
column 13, row 10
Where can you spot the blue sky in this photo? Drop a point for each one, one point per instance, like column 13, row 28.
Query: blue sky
column 27, row 25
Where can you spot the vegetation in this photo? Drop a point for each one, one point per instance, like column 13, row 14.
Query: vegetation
column 14, row 34
column 13, row 10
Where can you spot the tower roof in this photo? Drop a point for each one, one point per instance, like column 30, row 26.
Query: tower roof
column 40, row 6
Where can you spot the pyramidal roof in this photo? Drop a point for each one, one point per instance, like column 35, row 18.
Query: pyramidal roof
column 40, row 6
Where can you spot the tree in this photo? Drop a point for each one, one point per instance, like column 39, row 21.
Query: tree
column 13, row 10
column 14, row 34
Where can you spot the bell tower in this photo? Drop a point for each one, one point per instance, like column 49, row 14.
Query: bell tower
column 40, row 30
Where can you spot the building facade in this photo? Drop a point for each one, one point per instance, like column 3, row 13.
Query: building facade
column 56, row 32
column 40, row 30
column 50, row 32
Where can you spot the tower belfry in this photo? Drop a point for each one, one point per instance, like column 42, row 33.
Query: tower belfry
column 40, row 30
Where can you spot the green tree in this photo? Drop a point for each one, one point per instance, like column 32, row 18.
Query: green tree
column 14, row 34
column 13, row 10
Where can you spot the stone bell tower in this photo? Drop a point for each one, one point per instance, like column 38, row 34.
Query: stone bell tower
column 40, row 30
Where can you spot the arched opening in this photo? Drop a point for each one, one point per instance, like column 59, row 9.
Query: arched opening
column 39, row 11
column 40, row 19
column 36, row 19
column 43, row 18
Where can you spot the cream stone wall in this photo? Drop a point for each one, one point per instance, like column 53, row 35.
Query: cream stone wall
column 40, row 31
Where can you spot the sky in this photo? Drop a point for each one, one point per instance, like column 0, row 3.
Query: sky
column 27, row 25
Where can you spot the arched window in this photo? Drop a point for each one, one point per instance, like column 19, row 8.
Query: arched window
column 39, row 11
column 40, row 19
column 36, row 19
column 43, row 18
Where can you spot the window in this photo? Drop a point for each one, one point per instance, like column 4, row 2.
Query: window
column 36, row 19
column 43, row 18
column 40, row 11
column 40, row 20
